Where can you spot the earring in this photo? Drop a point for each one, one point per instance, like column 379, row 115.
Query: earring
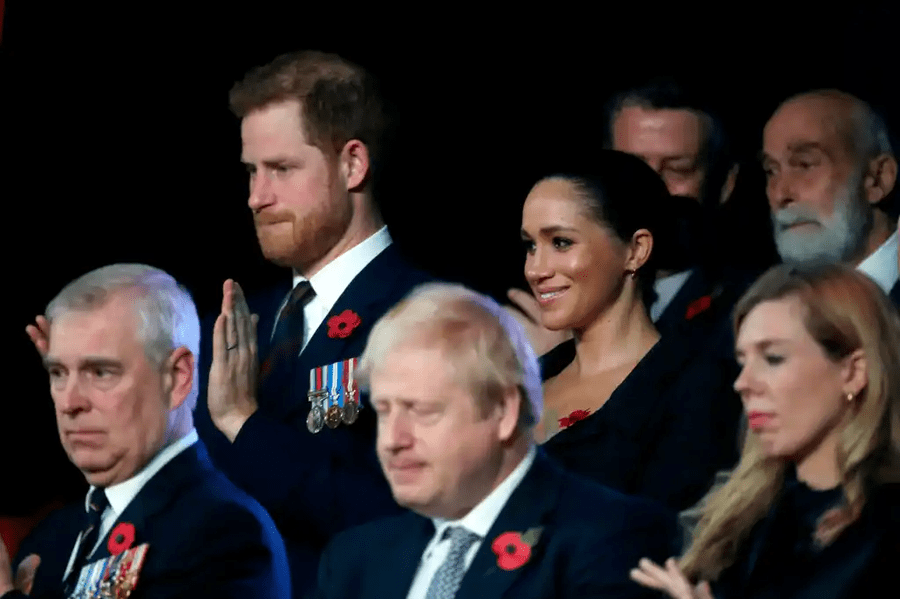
column 631, row 273
column 850, row 398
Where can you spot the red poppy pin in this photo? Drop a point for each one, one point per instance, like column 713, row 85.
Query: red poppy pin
column 573, row 418
column 121, row 538
column 513, row 549
column 340, row 326
column 697, row 306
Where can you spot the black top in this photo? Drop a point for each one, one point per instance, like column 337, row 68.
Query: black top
column 782, row 559
column 665, row 431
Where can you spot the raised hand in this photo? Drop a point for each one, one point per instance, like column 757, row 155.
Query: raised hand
column 529, row 316
column 231, row 393
column 39, row 332
column 669, row 580
column 24, row 575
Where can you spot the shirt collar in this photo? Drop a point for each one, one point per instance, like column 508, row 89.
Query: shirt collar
column 480, row 519
column 332, row 280
column 881, row 265
column 121, row 494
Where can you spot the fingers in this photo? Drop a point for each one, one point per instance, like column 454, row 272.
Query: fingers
column 219, row 341
column 678, row 581
column 702, row 591
column 26, row 572
column 242, row 319
column 644, row 579
column 526, row 303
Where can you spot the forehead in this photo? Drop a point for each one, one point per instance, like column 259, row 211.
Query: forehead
column 409, row 370
column 274, row 129
column 774, row 319
column 807, row 120
column 639, row 130
column 108, row 330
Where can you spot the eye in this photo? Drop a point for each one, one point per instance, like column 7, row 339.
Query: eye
column 281, row 170
column 773, row 359
column 562, row 243
column 528, row 246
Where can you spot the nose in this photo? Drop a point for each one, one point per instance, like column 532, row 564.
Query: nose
column 743, row 382
column 394, row 432
column 537, row 267
column 780, row 190
column 69, row 398
column 260, row 191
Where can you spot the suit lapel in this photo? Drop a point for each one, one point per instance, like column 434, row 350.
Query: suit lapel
column 400, row 561
column 64, row 531
column 696, row 286
column 527, row 509
column 157, row 493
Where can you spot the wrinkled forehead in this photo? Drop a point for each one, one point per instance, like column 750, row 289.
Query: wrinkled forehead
column 823, row 121
column 110, row 328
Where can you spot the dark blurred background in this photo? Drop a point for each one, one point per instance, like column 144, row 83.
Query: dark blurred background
column 118, row 144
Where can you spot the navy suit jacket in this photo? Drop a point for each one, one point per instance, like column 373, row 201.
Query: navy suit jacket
column 206, row 538
column 590, row 538
column 895, row 294
column 313, row 485
column 722, row 288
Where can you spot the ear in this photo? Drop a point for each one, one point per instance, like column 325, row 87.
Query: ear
column 730, row 181
column 880, row 178
column 856, row 373
column 179, row 376
column 510, row 407
column 355, row 164
column 639, row 250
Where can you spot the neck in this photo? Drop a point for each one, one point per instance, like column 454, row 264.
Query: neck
column 621, row 334
column 882, row 228
column 366, row 221
column 819, row 469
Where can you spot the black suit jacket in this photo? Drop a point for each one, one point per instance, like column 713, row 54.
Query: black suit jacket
column 206, row 538
column 666, row 430
column 313, row 485
column 895, row 294
column 590, row 538
column 777, row 560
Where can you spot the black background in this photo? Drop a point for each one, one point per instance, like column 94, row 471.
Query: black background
column 119, row 146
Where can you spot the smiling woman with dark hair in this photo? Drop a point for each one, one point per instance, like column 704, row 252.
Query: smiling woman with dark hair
column 635, row 412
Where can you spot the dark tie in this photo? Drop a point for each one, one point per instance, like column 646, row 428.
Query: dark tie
column 97, row 504
column 278, row 367
column 449, row 576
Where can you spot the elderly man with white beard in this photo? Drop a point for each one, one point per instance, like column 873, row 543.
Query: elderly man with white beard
column 829, row 168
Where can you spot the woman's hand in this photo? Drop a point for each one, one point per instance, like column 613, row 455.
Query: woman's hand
column 669, row 580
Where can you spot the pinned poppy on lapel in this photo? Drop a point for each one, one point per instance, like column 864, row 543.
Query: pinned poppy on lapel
column 513, row 549
column 573, row 418
column 697, row 306
column 340, row 326
column 121, row 538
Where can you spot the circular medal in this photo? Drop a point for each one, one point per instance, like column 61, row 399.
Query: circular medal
column 316, row 419
column 350, row 411
column 333, row 417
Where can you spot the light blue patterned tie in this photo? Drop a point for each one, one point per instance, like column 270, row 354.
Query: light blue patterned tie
column 448, row 577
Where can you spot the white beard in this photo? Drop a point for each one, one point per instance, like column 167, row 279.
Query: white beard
column 839, row 239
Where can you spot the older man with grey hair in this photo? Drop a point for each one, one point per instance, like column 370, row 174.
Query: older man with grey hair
column 120, row 346
column 456, row 389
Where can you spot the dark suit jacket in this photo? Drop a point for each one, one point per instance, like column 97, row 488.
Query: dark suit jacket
column 206, row 538
column 895, row 294
column 779, row 558
column 591, row 537
column 313, row 485
column 665, row 431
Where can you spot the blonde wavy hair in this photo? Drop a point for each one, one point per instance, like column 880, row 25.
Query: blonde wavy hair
column 844, row 311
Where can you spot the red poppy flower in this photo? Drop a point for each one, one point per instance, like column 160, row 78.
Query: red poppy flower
column 512, row 552
column 121, row 538
column 573, row 418
column 697, row 306
column 340, row 326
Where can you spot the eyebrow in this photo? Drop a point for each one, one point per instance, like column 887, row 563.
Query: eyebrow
column 89, row 362
column 551, row 230
column 796, row 148
column 763, row 344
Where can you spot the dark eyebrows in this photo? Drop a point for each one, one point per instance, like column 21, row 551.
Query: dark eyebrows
column 554, row 229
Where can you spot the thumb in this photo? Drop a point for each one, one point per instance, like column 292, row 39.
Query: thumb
column 25, row 573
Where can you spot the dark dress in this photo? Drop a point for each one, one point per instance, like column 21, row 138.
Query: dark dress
column 780, row 558
column 665, row 431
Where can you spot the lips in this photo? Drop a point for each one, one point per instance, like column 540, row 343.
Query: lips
column 547, row 295
column 759, row 420
column 85, row 436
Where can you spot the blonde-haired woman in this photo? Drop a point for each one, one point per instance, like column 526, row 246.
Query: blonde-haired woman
column 813, row 509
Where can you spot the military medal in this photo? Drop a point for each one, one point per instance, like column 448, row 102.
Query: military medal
column 333, row 414
column 317, row 395
column 350, row 411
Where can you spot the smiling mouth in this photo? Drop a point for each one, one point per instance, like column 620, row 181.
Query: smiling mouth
column 548, row 296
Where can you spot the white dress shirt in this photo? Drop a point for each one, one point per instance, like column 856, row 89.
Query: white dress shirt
column 329, row 283
column 666, row 289
column 479, row 520
column 121, row 494
column 881, row 265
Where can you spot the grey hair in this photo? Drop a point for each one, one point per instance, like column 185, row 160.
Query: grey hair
column 479, row 337
column 165, row 315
